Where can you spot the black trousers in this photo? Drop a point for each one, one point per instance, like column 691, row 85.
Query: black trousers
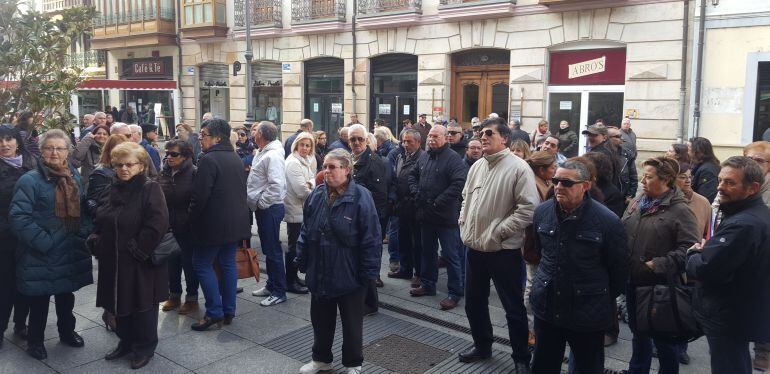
column 409, row 245
column 292, row 231
column 323, row 316
column 587, row 349
column 139, row 331
column 38, row 314
column 506, row 269
column 10, row 298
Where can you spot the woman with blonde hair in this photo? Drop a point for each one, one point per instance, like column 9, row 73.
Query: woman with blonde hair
column 300, row 182
column 521, row 148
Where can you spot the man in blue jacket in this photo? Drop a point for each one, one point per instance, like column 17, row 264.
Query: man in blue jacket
column 150, row 135
column 584, row 266
column 732, row 270
column 436, row 183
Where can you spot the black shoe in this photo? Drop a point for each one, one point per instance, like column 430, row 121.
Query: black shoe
column 207, row 322
column 228, row 319
column 72, row 339
column 301, row 282
column 37, row 351
column 117, row 353
column 20, row 331
column 370, row 312
column 521, row 368
column 139, row 362
column 473, row 355
column 239, row 290
column 684, row 358
column 297, row 288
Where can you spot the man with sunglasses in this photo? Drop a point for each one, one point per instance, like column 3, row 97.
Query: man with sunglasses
column 457, row 141
column 499, row 199
column 584, row 266
column 628, row 179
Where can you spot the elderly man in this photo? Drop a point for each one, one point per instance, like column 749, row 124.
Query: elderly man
column 567, row 262
column 499, row 200
column 120, row 128
column 551, row 145
column 423, row 127
column 305, row 125
column 149, row 136
column 208, row 116
column 628, row 180
column 100, row 118
column 409, row 241
column 266, row 189
column 129, row 116
column 436, row 183
column 474, row 152
column 342, row 142
column 136, row 133
column 629, row 136
column 517, row 133
column 375, row 174
column 732, row 269
column 456, row 140
column 88, row 125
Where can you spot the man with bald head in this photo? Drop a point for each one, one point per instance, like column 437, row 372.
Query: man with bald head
column 436, row 183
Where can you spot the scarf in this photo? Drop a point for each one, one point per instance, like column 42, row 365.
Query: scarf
column 14, row 162
column 650, row 205
column 67, row 193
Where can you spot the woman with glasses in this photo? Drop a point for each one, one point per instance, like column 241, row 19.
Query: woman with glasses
column 49, row 218
column 176, row 180
column 129, row 226
column 660, row 228
column 15, row 161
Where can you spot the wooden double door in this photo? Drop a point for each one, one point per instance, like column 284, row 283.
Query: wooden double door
column 479, row 91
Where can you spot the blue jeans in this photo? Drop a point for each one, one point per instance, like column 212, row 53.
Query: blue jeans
column 268, row 226
column 729, row 355
column 393, row 239
column 179, row 263
column 218, row 304
column 641, row 343
column 453, row 252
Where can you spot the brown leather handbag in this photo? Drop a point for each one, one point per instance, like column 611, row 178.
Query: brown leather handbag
column 246, row 262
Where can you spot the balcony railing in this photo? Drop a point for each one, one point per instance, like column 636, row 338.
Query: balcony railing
column 58, row 5
column 146, row 14
column 374, row 7
column 264, row 13
column 304, row 11
column 86, row 59
column 473, row 2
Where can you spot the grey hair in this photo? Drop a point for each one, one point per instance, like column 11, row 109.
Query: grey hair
column 381, row 134
column 752, row 172
column 581, row 168
column 359, row 126
column 135, row 128
column 117, row 126
column 268, row 130
column 100, row 114
column 414, row 133
column 306, row 124
column 341, row 155
column 54, row 134
column 454, row 125
column 441, row 128
column 91, row 116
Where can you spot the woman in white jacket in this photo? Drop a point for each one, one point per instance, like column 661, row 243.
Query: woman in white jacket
column 300, row 181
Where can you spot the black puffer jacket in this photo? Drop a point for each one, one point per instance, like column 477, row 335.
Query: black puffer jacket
column 437, row 183
column 732, row 295
column 8, row 177
column 177, row 188
column 584, row 265
column 375, row 174
column 405, row 200
column 460, row 147
column 99, row 187
column 704, row 180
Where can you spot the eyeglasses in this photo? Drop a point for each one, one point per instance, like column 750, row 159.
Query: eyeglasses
column 54, row 149
column 488, row 133
column 203, row 135
column 454, row 133
column 331, row 167
column 127, row 165
column 173, row 154
column 564, row 182
column 356, row 139
column 242, row 134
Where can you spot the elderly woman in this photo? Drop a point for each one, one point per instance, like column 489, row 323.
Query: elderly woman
column 186, row 133
column 86, row 155
column 176, row 180
column 339, row 249
column 539, row 135
column 386, row 142
column 129, row 226
column 50, row 220
column 300, row 181
column 660, row 227
column 15, row 161
column 568, row 140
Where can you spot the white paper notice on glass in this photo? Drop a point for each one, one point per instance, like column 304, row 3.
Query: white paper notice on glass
column 565, row 105
column 384, row 109
column 336, row 107
column 407, row 109
column 315, row 107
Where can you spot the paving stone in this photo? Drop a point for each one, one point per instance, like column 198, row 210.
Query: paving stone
column 265, row 325
column 14, row 360
column 256, row 360
column 98, row 342
column 197, row 349
column 158, row 364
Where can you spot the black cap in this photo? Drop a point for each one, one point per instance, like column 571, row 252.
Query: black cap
column 148, row 127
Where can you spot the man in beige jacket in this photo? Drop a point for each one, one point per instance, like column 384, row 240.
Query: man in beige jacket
column 499, row 200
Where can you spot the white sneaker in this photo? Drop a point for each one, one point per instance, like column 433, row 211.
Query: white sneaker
column 354, row 370
column 262, row 292
column 272, row 300
column 314, row 366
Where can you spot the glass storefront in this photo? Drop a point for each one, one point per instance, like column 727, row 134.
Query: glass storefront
column 267, row 91
column 324, row 94
column 214, row 90
column 393, row 90
column 762, row 115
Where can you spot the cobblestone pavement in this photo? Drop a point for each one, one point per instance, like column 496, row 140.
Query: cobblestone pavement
column 278, row 339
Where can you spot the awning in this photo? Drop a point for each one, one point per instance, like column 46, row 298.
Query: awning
column 111, row 84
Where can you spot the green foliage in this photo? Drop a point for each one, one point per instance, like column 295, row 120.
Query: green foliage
column 33, row 63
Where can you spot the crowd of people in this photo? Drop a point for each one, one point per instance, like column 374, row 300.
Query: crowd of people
column 567, row 240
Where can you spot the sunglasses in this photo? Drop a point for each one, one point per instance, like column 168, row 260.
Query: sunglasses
column 564, row 182
column 356, row 139
column 173, row 154
column 488, row 133
column 128, row 165
column 454, row 132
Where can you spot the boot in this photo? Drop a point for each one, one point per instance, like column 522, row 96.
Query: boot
column 172, row 303
column 188, row 307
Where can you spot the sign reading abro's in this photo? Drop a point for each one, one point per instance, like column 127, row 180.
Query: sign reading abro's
column 581, row 69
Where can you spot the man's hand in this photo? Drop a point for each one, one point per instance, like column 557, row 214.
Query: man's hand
column 697, row 247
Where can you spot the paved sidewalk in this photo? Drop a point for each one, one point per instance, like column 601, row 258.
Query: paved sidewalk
column 278, row 339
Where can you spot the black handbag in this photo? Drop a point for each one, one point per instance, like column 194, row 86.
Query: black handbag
column 666, row 311
column 167, row 248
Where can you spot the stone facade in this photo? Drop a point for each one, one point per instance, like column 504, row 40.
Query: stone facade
column 651, row 32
